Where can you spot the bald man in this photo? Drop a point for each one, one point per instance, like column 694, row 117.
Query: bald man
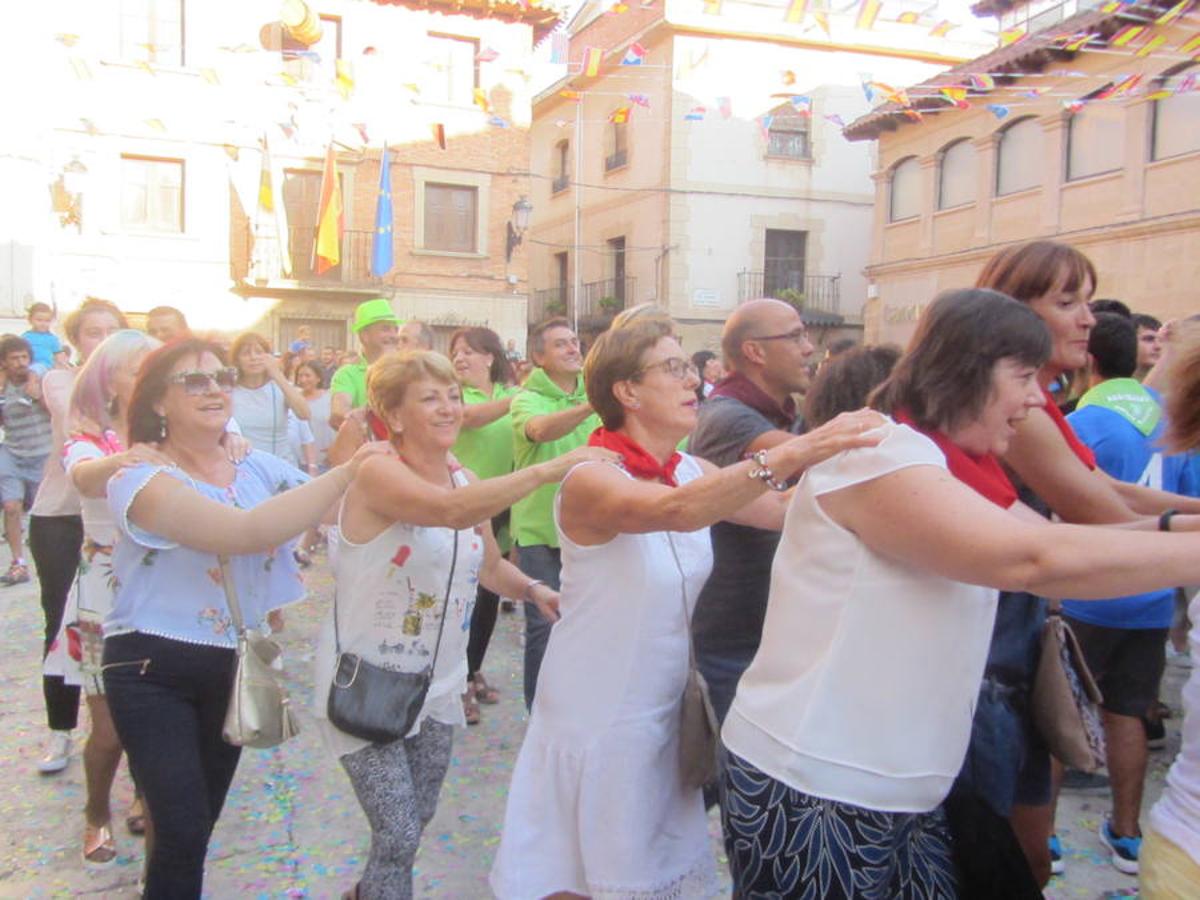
column 767, row 354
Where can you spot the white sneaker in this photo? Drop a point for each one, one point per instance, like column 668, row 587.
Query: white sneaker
column 58, row 753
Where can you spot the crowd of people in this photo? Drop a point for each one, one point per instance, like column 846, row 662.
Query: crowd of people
column 853, row 559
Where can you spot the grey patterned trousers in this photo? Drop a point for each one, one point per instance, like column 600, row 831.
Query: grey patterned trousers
column 397, row 786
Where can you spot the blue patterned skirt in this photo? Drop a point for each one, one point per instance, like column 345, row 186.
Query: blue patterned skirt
column 786, row 844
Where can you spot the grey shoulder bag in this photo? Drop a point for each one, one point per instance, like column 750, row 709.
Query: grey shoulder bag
column 374, row 703
column 259, row 712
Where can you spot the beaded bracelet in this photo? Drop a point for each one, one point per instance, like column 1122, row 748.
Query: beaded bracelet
column 763, row 473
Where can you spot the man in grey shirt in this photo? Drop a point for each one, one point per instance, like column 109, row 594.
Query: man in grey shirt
column 27, row 443
column 766, row 350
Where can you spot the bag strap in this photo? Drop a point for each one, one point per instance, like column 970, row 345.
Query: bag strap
column 687, row 619
column 231, row 597
column 337, row 643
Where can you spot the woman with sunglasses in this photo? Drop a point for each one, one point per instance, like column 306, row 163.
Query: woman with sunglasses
column 169, row 649
column 597, row 805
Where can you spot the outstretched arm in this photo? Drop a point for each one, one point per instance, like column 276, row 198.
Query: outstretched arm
column 923, row 516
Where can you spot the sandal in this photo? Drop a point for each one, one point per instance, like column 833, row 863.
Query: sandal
column 99, row 847
column 135, row 821
column 484, row 692
column 470, row 707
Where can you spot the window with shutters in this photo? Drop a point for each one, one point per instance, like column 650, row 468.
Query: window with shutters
column 1019, row 157
column 957, row 175
column 451, row 217
column 906, row 190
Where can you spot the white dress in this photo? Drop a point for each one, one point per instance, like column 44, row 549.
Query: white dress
column 597, row 805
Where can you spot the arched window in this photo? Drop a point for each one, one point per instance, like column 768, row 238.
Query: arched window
column 1174, row 118
column 1095, row 140
column 906, row 190
column 957, row 175
column 1019, row 157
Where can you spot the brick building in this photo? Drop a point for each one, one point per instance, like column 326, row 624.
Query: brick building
column 152, row 142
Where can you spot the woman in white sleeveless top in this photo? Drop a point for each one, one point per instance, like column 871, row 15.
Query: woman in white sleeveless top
column 597, row 805
column 415, row 536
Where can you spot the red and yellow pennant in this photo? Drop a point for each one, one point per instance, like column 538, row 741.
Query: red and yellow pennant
column 796, row 12
column 1191, row 45
column 619, row 115
column 1174, row 12
column 1010, row 36
column 868, row 12
column 592, row 58
column 1126, row 34
column 909, row 18
column 1150, row 46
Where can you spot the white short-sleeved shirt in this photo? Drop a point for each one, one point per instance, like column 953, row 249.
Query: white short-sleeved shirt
column 170, row 590
column 864, row 686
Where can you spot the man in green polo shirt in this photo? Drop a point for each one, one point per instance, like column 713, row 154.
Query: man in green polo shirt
column 378, row 330
column 550, row 417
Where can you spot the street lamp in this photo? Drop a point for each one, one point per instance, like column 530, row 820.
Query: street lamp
column 66, row 194
column 517, row 226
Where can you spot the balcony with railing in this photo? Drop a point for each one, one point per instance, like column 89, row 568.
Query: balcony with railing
column 606, row 297
column 546, row 304
column 817, row 296
column 354, row 268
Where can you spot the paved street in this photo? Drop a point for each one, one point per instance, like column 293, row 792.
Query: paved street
column 292, row 828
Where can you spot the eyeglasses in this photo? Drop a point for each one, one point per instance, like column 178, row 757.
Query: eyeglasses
column 196, row 383
column 796, row 336
column 676, row 367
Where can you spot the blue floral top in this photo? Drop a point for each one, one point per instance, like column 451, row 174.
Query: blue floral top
column 170, row 590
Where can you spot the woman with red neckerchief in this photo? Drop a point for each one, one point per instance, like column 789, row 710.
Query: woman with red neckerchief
column 597, row 805
column 1055, row 472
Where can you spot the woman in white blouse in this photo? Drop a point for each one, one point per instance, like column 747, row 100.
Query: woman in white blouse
column 850, row 725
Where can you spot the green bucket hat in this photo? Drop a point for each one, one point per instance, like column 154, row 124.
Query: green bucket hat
column 371, row 311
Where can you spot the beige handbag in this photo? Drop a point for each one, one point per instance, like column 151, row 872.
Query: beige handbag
column 260, row 713
column 1065, row 699
column 698, row 730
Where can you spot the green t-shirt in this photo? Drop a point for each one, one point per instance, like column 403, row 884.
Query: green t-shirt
column 487, row 451
column 533, row 515
column 351, row 379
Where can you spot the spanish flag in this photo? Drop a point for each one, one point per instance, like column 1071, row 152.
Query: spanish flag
column 1126, row 34
column 327, row 252
column 796, row 11
column 1150, row 46
column 619, row 115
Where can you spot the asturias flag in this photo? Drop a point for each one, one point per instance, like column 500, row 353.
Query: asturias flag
column 328, row 250
column 381, row 243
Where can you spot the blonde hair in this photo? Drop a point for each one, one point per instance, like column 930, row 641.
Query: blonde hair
column 390, row 376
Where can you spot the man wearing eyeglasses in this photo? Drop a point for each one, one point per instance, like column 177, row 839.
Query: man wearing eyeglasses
column 767, row 354
column 550, row 416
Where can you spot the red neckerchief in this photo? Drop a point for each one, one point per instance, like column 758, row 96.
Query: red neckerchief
column 738, row 387
column 983, row 474
column 377, row 427
column 1078, row 447
column 109, row 443
column 635, row 459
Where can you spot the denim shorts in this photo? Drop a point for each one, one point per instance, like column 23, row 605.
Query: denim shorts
column 19, row 475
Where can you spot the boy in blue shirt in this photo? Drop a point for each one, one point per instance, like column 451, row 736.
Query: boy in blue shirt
column 47, row 349
column 1124, row 639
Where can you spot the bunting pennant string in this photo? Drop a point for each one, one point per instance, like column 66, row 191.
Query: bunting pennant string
column 868, row 12
column 796, row 11
column 634, row 55
column 593, row 56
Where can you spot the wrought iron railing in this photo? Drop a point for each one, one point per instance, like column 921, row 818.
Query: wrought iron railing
column 817, row 293
column 607, row 297
column 547, row 304
column 355, row 265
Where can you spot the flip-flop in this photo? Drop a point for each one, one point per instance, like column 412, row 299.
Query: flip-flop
column 484, row 692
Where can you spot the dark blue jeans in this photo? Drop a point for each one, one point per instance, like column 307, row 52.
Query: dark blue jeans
column 543, row 563
column 168, row 701
column 722, row 672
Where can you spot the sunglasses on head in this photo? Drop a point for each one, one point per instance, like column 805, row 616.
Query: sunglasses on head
column 197, row 382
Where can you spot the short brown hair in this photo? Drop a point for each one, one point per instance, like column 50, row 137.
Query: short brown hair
column 244, row 340
column 73, row 323
column 390, row 375
column 1183, row 393
column 617, row 356
column 1028, row 271
column 537, row 334
column 145, row 425
column 944, row 378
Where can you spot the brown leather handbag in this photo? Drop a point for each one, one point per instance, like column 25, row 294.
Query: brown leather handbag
column 1065, row 699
